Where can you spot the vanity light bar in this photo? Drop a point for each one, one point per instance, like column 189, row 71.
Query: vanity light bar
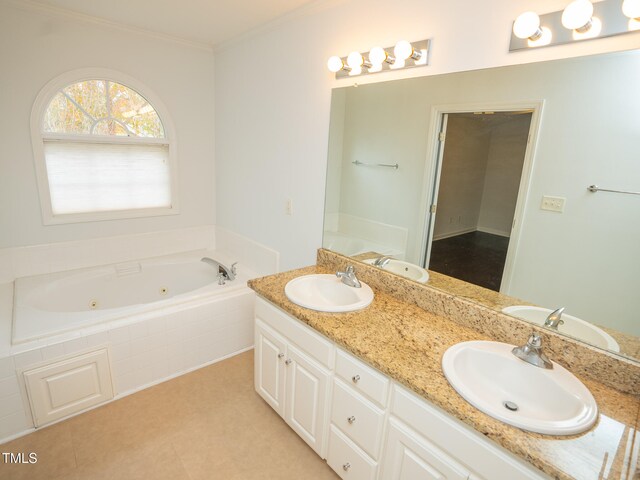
column 401, row 56
column 580, row 20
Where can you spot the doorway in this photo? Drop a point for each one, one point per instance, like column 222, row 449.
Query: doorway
column 481, row 160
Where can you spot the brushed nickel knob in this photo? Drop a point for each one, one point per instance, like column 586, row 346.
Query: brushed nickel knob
column 351, row 419
column 280, row 355
column 346, row 466
column 355, row 378
column 288, row 361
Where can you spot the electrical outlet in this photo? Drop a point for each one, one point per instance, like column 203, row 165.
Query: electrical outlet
column 288, row 207
column 553, row 204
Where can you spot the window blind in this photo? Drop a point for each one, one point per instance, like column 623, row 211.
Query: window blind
column 95, row 177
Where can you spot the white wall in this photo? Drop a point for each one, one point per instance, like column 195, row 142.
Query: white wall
column 35, row 48
column 273, row 97
column 504, row 170
column 462, row 177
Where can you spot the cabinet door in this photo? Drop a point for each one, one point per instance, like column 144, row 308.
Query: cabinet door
column 269, row 376
column 410, row 457
column 306, row 398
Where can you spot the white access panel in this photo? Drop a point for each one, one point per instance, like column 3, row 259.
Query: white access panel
column 69, row 386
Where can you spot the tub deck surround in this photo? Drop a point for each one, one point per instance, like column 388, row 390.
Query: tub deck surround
column 407, row 342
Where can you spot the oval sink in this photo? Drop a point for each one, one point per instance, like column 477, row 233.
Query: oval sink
column 327, row 293
column 573, row 326
column 496, row 382
column 404, row 269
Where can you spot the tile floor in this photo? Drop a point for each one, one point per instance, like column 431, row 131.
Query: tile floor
column 209, row 424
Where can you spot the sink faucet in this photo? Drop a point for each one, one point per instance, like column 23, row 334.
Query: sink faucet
column 349, row 277
column 224, row 273
column 382, row 261
column 554, row 319
column 532, row 352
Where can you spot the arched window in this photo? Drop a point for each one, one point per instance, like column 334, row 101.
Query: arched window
column 102, row 150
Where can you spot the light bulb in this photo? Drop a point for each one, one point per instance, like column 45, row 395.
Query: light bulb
column 377, row 56
column 335, row 64
column 577, row 15
column 355, row 60
column 403, row 50
column 527, row 25
column 631, row 8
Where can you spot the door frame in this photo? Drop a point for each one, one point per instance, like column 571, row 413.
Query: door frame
column 432, row 174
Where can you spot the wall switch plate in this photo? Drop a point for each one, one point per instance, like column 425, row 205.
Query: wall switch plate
column 553, row 204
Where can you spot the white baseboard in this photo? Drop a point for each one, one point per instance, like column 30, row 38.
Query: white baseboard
column 494, row 231
column 453, row 234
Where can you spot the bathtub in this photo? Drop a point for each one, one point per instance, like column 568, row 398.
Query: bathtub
column 52, row 304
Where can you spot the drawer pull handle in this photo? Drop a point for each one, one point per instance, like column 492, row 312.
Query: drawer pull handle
column 280, row 355
column 346, row 466
column 288, row 361
column 355, row 378
column 351, row 419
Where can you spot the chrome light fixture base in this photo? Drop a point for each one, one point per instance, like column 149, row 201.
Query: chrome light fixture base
column 607, row 12
column 421, row 49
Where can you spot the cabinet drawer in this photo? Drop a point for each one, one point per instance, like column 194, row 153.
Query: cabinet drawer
column 471, row 448
column 347, row 460
column 309, row 341
column 362, row 377
column 358, row 418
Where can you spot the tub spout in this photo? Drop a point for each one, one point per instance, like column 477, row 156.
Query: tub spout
column 224, row 272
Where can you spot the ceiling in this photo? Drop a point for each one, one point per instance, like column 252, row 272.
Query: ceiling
column 210, row 22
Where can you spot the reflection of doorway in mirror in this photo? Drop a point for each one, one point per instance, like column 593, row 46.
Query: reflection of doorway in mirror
column 479, row 172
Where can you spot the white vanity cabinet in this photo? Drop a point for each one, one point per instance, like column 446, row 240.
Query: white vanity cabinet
column 432, row 445
column 292, row 373
column 365, row 425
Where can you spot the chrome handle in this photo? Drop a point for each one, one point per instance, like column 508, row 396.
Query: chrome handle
column 351, row 419
column 234, row 270
column 355, row 378
column 280, row 355
column 288, row 361
column 346, row 466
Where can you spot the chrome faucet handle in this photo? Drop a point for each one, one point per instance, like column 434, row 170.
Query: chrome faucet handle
column 382, row 261
column 534, row 340
column 532, row 352
column 554, row 319
column 234, row 270
column 349, row 278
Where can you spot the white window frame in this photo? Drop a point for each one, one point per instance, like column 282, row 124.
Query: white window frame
column 37, row 115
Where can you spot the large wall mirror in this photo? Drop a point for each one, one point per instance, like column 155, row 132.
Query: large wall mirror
column 477, row 183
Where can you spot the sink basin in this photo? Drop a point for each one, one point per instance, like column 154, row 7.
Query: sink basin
column 327, row 293
column 548, row 401
column 573, row 326
column 405, row 269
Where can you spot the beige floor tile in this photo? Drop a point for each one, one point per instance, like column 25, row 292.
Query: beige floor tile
column 206, row 425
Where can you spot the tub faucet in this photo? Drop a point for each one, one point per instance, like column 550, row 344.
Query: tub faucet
column 224, row 273
column 349, row 277
column 382, row 261
column 554, row 319
column 532, row 352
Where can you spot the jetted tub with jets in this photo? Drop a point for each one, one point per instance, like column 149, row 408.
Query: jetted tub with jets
column 47, row 305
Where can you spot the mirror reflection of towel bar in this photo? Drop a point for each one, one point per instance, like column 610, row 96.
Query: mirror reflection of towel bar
column 358, row 162
column 595, row 188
